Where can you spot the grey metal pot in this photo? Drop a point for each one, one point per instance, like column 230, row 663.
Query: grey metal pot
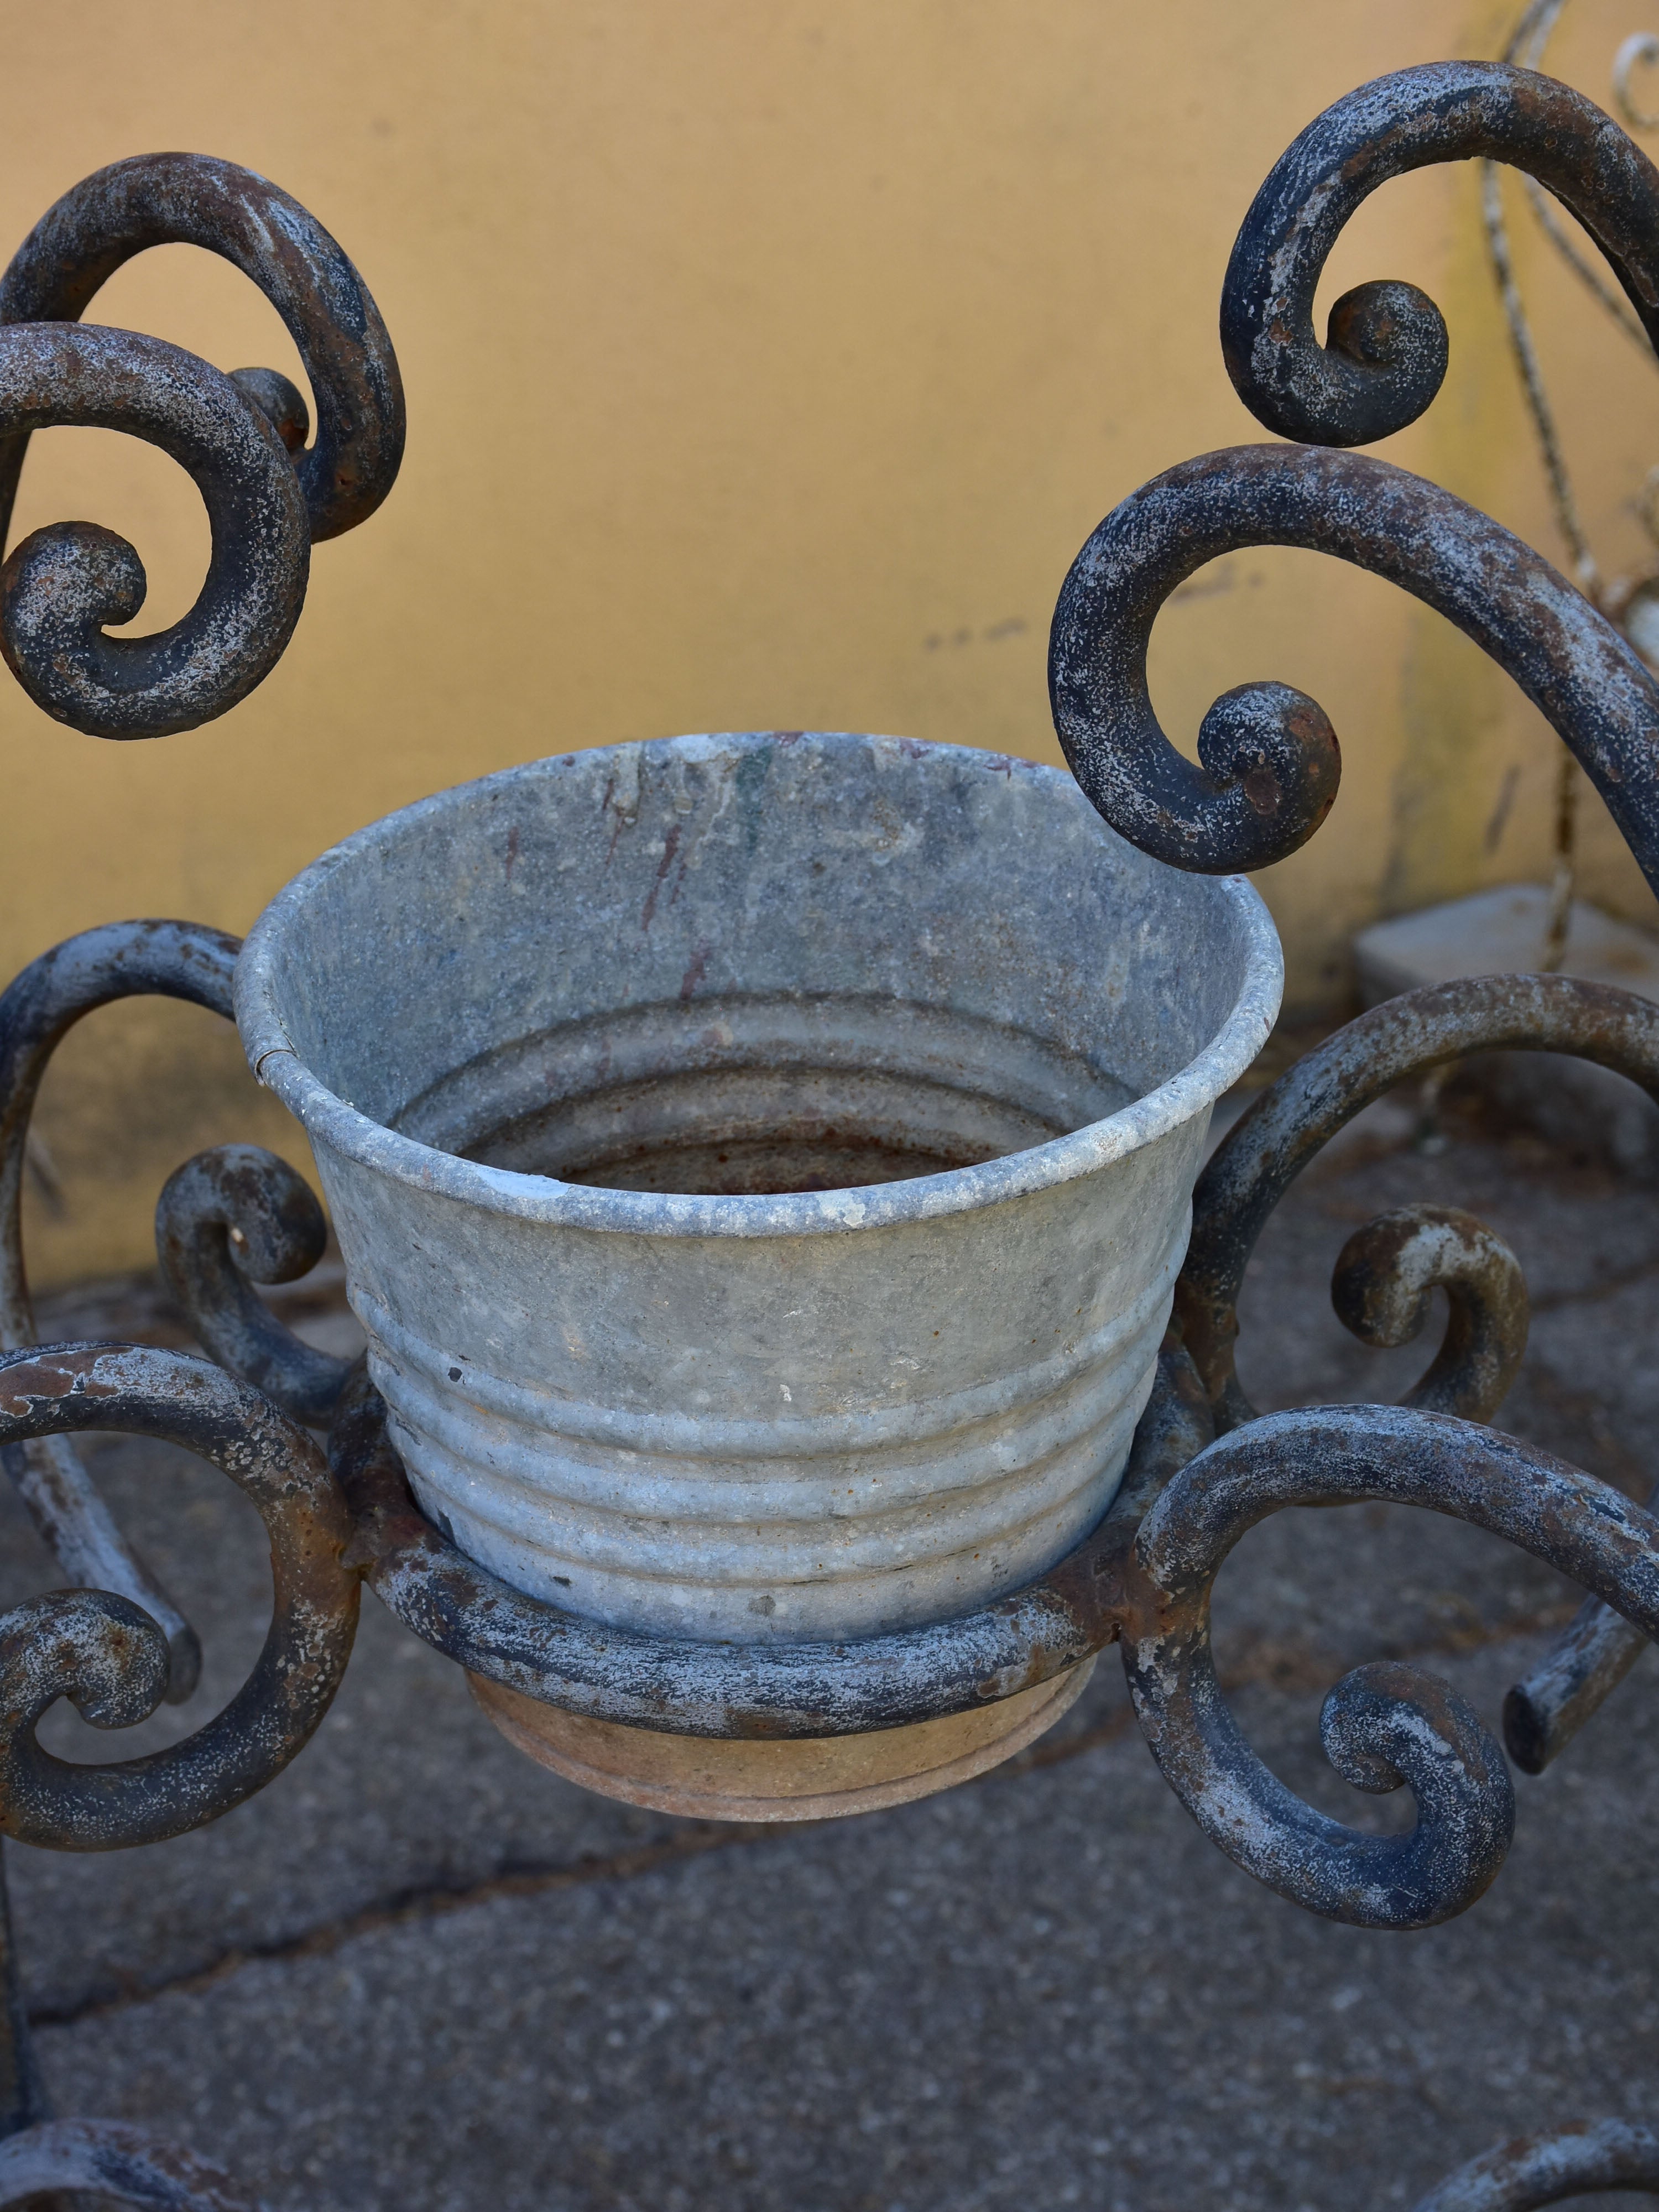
column 762, row 1162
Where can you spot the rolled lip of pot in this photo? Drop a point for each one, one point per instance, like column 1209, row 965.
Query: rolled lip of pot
column 334, row 1123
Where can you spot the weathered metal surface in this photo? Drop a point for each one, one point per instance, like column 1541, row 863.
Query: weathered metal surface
column 1289, row 1123
column 280, row 403
column 241, row 438
column 540, row 1029
column 162, row 199
column 126, row 959
column 108, row 1655
column 1588, row 1660
column 1380, row 1289
column 1269, row 759
column 1386, row 346
column 1553, row 2168
column 118, row 1648
column 1404, row 1038
column 62, row 584
column 112, row 2163
column 764, row 1691
column 1382, row 1725
column 226, row 1220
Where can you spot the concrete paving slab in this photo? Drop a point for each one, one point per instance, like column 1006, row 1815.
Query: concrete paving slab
column 1501, row 931
column 1044, row 1988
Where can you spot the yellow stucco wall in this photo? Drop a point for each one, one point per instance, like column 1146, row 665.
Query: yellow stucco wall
column 767, row 364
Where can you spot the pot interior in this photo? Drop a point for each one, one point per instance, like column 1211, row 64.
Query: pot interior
column 751, row 964
column 754, row 1094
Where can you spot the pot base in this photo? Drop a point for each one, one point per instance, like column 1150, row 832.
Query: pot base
column 801, row 1779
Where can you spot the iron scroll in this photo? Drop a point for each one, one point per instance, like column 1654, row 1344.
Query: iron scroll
column 241, row 438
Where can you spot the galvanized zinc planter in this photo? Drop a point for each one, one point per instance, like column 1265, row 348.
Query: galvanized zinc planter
column 763, row 1165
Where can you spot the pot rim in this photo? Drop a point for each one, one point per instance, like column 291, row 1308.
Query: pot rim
column 334, row 1122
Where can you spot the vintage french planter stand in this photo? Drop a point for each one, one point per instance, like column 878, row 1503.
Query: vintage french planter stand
column 765, row 1401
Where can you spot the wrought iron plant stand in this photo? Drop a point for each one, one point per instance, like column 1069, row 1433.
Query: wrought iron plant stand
column 1204, row 1467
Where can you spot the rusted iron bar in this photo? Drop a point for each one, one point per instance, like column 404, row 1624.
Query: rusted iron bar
column 110, row 2162
column 62, row 584
column 1534, row 2171
column 1586, row 1663
column 128, row 959
column 1385, row 352
column 24, row 2103
column 190, row 199
column 1290, row 1123
column 23, row 2092
column 229, row 1219
column 1382, row 1725
column 108, row 1657
column 1269, row 759
column 241, row 437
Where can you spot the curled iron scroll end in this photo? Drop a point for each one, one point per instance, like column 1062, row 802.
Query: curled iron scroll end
column 1380, row 1289
column 1385, row 1726
column 101, row 1651
column 59, row 589
column 1393, row 334
column 229, row 1219
column 1381, row 1282
column 1382, row 1725
column 65, row 583
column 1269, row 763
column 1274, row 748
column 1385, row 356
column 1387, row 348
column 106, row 1655
column 1270, row 768
column 270, row 495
